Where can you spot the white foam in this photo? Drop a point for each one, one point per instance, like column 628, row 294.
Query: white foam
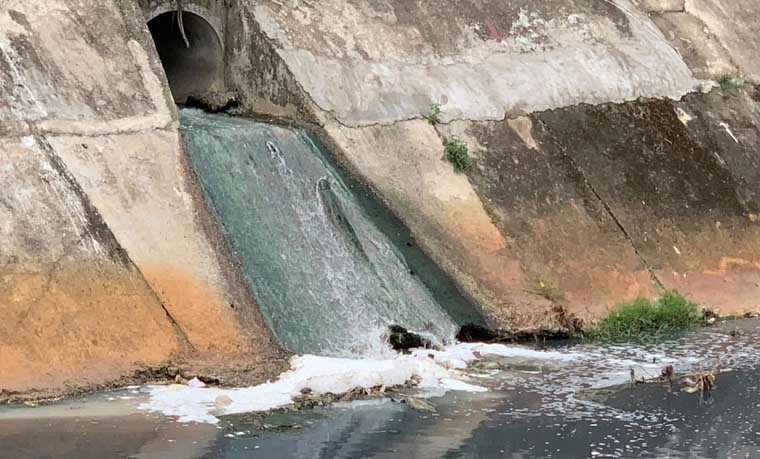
column 437, row 372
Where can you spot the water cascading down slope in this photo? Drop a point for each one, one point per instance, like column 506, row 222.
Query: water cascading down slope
column 326, row 279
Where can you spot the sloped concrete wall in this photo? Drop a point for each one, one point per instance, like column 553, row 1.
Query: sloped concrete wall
column 69, row 295
column 100, row 212
column 713, row 36
column 596, row 180
column 547, row 216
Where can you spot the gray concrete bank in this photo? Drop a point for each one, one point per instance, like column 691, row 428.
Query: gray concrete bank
column 596, row 180
column 542, row 219
column 109, row 261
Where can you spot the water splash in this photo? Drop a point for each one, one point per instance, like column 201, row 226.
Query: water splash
column 326, row 279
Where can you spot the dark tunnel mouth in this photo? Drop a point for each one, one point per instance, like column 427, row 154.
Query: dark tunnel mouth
column 190, row 70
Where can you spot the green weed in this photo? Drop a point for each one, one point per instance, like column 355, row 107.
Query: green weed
column 434, row 115
column 731, row 82
column 644, row 318
column 456, row 152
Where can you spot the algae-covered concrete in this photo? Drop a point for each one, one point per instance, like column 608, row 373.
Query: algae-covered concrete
column 110, row 261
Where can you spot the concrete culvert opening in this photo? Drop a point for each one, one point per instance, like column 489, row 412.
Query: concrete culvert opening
column 193, row 69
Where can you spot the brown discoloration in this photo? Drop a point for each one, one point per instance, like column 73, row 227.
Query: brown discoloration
column 110, row 261
column 553, row 222
column 156, row 210
column 78, row 321
column 79, row 315
column 683, row 189
column 74, row 307
column 196, row 309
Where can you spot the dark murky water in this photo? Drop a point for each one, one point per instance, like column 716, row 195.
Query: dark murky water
column 535, row 410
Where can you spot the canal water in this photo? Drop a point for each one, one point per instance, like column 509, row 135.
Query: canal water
column 536, row 406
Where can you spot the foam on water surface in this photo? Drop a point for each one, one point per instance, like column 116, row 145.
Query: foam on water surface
column 561, row 378
column 436, row 371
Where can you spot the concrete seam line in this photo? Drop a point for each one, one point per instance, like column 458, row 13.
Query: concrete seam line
column 614, row 217
column 507, row 115
column 33, row 130
column 118, row 253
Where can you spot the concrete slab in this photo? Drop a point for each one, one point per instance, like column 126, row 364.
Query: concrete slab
column 479, row 62
column 570, row 249
column 75, row 308
column 79, row 65
column 83, row 77
column 683, row 185
column 737, row 27
column 140, row 184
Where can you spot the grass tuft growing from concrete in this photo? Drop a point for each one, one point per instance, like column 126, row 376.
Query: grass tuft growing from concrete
column 644, row 318
column 434, row 115
column 456, row 152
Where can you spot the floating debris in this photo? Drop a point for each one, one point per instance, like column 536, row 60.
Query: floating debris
column 701, row 382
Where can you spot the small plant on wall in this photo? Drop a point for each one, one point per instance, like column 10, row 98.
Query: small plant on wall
column 731, row 82
column 434, row 114
column 455, row 151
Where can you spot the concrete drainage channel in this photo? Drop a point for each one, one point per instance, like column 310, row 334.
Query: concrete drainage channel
column 527, row 214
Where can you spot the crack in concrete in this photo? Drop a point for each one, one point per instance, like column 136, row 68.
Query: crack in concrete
column 615, row 219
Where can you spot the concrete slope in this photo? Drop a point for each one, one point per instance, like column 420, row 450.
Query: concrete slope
column 479, row 60
column 544, row 218
column 681, row 179
column 70, row 296
column 82, row 79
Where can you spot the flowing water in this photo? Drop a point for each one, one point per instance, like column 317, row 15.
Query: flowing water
column 330, row 271
column 326, row 278
column 572, row 403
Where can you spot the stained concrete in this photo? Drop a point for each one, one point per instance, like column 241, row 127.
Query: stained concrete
column 681, row 183
column 69, row 294
column 582, row 195
column 101, row 107
column 570, row 249
column 527, row 222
